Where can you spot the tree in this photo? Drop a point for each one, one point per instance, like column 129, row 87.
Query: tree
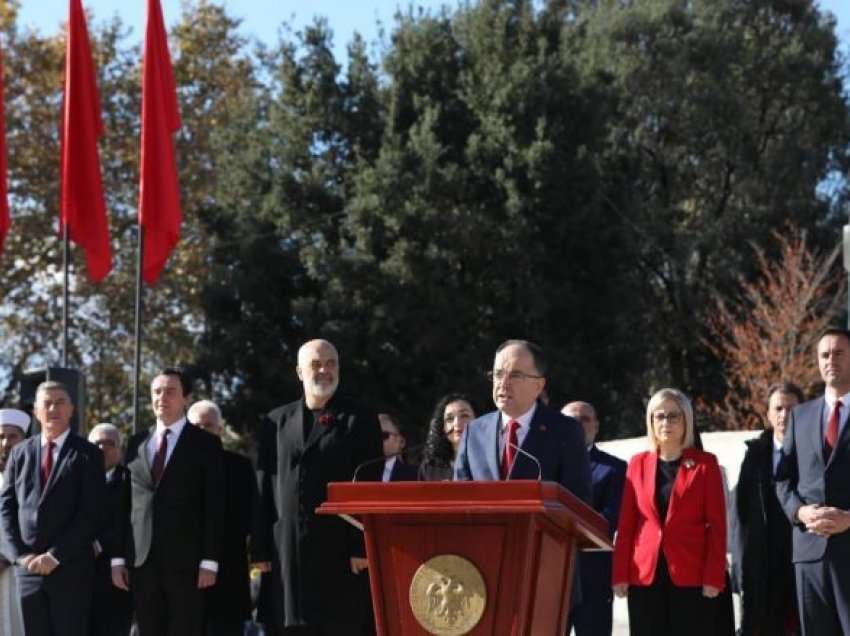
column 729, row 115
column 768, row 331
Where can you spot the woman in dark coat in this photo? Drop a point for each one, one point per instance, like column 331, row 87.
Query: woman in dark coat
column 451, row 415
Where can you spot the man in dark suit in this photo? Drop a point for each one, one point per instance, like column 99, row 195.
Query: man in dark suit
column 594, row 615
column 303, row 446
column 554, row 442
column 762, row 562
column 112, row 608
column 49, row 510
column 395, row 468
column 813, row 487
column 228, row 602
column 176, row 516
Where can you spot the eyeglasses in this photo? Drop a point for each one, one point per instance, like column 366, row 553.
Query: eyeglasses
column 108, row 443
column 385, row 435
column 513, row 376
column 673, row 417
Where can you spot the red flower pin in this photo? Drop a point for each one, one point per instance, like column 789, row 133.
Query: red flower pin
column 326, row 419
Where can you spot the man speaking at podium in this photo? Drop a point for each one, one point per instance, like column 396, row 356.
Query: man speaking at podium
column 524, row 438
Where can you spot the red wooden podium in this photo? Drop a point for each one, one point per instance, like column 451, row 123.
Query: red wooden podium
column 520, row 536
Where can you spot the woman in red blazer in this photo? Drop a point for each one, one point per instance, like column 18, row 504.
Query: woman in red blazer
column 670, row 549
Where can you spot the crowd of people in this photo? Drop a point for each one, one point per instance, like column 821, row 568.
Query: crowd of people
column 103, row 537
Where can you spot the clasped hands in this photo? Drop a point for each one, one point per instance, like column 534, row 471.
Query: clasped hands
column 42, row 564
column 823, row 521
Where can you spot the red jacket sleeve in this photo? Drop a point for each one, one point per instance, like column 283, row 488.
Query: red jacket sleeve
column 624, row 543
column 714, row 572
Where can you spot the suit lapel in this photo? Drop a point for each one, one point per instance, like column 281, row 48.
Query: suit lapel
column 684, row 477
column 491, row 432
column 142, row 457
column 36, row 467
column 816, row 430
column 650, row 466
column 292, row 434
column 533, row 445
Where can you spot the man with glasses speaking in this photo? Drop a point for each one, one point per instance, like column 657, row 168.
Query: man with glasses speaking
column 523, row 438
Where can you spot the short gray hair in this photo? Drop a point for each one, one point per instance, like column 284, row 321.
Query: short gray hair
column 205, row 405
column 109, row 429
column 53, row 385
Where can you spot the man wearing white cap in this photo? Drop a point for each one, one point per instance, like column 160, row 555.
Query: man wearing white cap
column 14, row 425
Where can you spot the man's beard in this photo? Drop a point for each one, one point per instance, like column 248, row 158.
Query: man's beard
column 324, row 390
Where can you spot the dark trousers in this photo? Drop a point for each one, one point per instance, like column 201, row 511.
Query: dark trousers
column 167, row 603
column 58, row 604
column 326, row 629
column 664, row 609
column 594, row 616
column 112, row 608
column 823, row 595
column 224, row 627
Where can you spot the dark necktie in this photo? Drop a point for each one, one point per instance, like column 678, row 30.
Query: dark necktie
column 47, row 461
column 159, row 458
column 831, row 436
column 510, row 449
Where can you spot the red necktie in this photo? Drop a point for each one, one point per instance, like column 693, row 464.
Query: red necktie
column 159, row 458
column 831, row 437
column 47, row 461
column 510, row 449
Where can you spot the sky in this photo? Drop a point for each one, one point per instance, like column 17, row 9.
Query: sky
column 262, row 18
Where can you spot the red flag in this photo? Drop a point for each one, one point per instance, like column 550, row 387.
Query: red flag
column 4, row 190
column 159, row 193
column 82, row 206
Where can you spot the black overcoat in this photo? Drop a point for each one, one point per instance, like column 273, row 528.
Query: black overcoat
column 293, row 474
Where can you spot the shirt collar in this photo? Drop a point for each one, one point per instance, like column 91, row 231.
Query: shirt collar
column 830, row 400
column 175, row 428
column 58, row 441
column 109, row 473
column 777, row 445
column 524, row 419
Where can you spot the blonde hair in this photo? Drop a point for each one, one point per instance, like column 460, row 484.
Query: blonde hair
column 685, row 407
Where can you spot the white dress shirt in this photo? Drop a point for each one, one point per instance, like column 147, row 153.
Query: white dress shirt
column 58, row 443
column 777, row 453
column 524, row 421
column 388, row 467
column 153, row 443
column 842, row 415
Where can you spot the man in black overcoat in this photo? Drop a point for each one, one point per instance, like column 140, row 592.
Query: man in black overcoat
column 228, row 603
column 303, row 446
column 112, row 608
column 762, row 540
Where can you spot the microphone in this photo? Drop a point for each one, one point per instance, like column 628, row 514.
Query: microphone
column 383, row 458
column 527, row 454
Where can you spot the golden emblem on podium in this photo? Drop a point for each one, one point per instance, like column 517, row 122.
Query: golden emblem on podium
column 447, row 595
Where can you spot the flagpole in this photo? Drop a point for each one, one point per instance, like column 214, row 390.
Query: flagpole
column 66, row 258
column 138, row 336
